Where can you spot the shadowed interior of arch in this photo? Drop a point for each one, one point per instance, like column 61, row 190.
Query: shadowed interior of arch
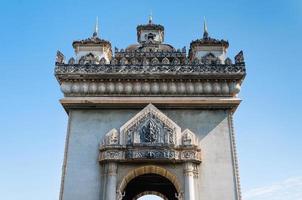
column 150, row 184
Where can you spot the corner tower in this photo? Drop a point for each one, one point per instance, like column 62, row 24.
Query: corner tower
column 208, row 48
column 93, row 50
column 150, row 114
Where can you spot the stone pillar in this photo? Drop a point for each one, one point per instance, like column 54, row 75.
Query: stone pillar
column 189, row 181
column 111, row 181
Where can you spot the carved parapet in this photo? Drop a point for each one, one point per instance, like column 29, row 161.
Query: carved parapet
column 151, row 79
column 127, row 68
column 148, row 54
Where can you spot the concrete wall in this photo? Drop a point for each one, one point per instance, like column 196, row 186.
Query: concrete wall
column 83, row 176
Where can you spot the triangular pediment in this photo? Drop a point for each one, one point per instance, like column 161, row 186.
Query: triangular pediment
column 150, row 126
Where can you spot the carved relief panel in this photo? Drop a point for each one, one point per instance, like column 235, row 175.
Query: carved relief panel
column 150, row 135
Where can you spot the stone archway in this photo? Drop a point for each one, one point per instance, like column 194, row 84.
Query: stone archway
column 150, row 180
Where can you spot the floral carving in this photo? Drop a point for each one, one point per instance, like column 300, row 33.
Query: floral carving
column 165, row 61
column 154, row 61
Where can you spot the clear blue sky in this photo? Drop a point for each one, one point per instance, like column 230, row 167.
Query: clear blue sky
column 268, row 122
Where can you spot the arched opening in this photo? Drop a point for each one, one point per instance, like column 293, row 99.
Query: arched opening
column 150, row 183
column 151, row 197
column 151, row 175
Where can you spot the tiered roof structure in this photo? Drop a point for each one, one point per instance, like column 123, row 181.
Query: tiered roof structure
column 150, row 67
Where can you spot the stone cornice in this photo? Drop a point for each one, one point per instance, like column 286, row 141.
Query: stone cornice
column 209, row 42
column 150, row 27
column 91, row 41
column 160, row 102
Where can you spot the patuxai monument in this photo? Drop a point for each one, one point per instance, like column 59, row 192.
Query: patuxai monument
column 150, row 118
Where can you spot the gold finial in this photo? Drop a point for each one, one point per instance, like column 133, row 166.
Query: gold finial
column 150, row 17
column 96, row 28
column 205, row 28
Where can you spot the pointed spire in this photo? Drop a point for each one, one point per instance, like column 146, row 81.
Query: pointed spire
column 150, row 17
column 96, row 28
column 205, row 29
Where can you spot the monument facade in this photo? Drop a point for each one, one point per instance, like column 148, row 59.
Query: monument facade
column 150, row 119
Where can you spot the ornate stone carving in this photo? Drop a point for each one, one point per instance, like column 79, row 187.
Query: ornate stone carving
column 239, row 58
column 190, row 169
column 60, row 58
column 151, row 154
column 134, row 61
column 114, row 61
column 113, row 155
column 123, row 61
column 112, row 137
column 154, row 61
column 149, row 126
column 71, row 61
column 228, row 61
column 102, row 61
column 196, row 68
column 150, row 135
column 165, row 61
column 188, row 155
column 196, row 61
column 89, row 59
column 145, row 61
column 176, row 61
column 210, row 59
column 188, row 137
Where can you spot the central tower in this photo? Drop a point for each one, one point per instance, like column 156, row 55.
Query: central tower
column 150, row 119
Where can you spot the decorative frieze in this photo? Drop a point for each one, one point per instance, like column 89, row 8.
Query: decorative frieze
column 169, row 69
column 122, row 154
column 120, row 87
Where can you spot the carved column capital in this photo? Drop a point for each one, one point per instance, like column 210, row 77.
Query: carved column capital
column 190, row 169
column 112, row 169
